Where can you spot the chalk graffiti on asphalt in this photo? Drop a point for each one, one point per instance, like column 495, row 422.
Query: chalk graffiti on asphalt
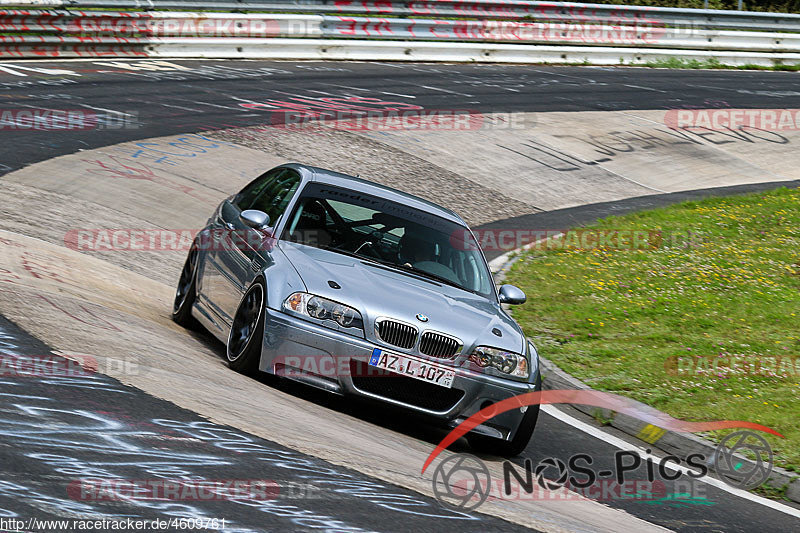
column 8, row 342
column 162, row 152
column 313, row 470
column 620, row 142
column 81, row 442
column 111, row 166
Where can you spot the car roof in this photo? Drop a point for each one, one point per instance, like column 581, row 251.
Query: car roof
column 330, row 177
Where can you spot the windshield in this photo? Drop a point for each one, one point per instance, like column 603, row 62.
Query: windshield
column 389, row 233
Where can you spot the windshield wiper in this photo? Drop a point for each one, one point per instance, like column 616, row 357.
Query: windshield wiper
column 424, row 273
column 348, row 253
column 402, row 268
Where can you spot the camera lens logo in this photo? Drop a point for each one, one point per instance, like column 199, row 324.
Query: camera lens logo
column 461, row 482
column 558, row 480
column 739, row 472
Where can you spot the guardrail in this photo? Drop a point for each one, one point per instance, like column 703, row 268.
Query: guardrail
column 475, row 9
column 632, row 34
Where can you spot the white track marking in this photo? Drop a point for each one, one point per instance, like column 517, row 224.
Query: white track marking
column 13, row 72
column 215, row 105
column 447, row 91
column 396, row 94
column 107, row 110
column 351, row 88
column 321, row 92
column 24, row 396
column 54, row 71
column 645, row 88
column 625, row 445
column 182, row 108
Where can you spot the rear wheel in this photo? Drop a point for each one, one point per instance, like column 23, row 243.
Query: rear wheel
column 244, row 341
column 186, row 292
column 515, row 446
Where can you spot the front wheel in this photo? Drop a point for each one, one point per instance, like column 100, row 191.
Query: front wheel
column 186, row 292
column 244, row 341
column 515, row 446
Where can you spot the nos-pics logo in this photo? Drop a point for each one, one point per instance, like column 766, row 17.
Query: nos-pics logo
column 462, row 482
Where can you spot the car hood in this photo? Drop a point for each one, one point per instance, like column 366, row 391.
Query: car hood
column 378, row 291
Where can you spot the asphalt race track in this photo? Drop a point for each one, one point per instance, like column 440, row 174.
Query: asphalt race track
column 57, row 430
column 207, row 95
column 40, row 423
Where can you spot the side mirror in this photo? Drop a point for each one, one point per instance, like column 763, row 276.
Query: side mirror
column 509, row 294
column 253, row 218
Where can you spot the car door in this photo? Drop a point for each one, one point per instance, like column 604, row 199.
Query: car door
column 253, row 247
column 246, row 251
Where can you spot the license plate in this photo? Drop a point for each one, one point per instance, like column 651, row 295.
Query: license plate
column 412, row 367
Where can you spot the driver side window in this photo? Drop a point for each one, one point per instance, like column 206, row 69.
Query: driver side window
column 244, row 200
column 270, row 193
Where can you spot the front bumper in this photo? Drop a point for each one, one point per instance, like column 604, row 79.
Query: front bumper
column 336, row 362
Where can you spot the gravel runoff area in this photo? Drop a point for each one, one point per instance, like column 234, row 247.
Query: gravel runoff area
column 350, row 153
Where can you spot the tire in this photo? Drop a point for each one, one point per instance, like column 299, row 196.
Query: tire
column 247, row 331
column 186, row 292
column 514, row 447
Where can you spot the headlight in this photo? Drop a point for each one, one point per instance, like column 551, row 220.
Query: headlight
column 510, row 363
column 319, row 308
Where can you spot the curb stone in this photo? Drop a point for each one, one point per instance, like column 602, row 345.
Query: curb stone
column 672, row 442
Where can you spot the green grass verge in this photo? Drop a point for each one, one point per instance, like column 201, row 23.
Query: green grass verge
column 674, row 62
column 723, row 279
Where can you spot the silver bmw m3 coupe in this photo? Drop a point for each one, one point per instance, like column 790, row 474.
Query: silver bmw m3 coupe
column 361, row 290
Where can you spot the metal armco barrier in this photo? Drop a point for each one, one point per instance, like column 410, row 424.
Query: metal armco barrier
column 474, row 9
column 594, row 33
